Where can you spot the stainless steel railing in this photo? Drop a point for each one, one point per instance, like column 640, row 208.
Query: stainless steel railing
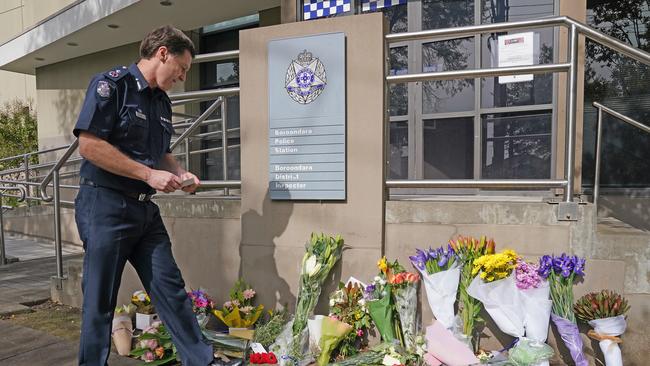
column 570, row 67
column 21, row 197
column 599, row 132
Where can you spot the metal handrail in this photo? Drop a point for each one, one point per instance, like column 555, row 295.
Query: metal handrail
column 477, row 183
column 570, row 67
column 599, row 132
column 21, row 197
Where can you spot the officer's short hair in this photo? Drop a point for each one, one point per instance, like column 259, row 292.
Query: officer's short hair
column 174, row 39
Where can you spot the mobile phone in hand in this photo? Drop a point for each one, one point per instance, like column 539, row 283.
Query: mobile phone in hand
column 187, row 182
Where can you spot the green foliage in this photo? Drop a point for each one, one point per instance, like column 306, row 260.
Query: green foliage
column 267, row 332
column 18, row 134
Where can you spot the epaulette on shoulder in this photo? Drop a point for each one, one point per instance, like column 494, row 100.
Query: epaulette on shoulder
column 116, row 73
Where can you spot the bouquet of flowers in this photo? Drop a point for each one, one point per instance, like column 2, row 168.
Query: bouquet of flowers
column 348, row 305
column 155, row 346
column 404, row 285
column 468, row 249
column 322, row 253
column 202, row 305
column 440, row 274
column 535, row 301
column 495, row 287
column 142, row 303
column 378, row 296
column 122, row 329
column 561, row 272
column 605, row 312
column 239, row 312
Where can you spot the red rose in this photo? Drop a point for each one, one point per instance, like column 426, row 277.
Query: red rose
column 265, row 358
column 255, row 358
column 272, row 359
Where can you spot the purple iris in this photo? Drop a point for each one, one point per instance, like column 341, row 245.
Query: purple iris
column 419, row 260
column 545, row 266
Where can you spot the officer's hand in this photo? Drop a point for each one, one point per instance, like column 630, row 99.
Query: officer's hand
column 192, row 187
column 164, row 181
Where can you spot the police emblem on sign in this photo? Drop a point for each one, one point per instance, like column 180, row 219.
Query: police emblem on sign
column 103, row 89
column 114, row 73
column 306, row 78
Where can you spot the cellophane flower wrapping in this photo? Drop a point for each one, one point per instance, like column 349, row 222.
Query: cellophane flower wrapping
column 614, row 326
column 381, row 312
column 332, row 332
column 440, row 276
column 570, row 335
column 561, row 271
column 501, row 300
column 406, row 301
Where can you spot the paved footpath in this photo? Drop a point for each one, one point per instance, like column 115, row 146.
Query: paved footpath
column 21, row 346
column 24, row 283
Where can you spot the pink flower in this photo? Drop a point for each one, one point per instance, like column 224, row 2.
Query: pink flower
column 526, row 275
column 249, row 294
column 335, row 317
column 360, row 333
column 152, row 344
column 151, row 330
column 227, row 305
column 201, row 303
column 235, row 303
column 148, row 356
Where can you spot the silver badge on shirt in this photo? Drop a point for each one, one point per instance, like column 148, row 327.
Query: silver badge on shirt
column 103, row 89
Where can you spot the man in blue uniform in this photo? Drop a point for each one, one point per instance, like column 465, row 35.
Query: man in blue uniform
column 124, row 132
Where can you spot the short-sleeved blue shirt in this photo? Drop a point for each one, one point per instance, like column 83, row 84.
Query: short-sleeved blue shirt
column 121, row 108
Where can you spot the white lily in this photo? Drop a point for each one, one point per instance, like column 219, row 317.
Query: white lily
column 312, row 266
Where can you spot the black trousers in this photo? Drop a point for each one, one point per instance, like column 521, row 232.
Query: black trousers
column 115, row 228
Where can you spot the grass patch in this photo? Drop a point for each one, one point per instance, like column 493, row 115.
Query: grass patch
column 59, row 320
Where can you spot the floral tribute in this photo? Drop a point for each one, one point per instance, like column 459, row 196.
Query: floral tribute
column 561, row 271
column 348, row 305
column 239, row 311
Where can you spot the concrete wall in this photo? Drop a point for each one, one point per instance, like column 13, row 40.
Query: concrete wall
column 16, row 16
column 274, row 232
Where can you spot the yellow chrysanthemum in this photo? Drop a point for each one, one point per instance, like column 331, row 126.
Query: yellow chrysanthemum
column 382, row 264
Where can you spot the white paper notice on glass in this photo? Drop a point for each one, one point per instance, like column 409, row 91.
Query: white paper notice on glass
column 516, row 50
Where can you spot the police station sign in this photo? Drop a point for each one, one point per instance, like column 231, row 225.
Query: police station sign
column 307, row 118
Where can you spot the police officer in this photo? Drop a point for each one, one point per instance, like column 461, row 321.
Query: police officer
column 124, row 132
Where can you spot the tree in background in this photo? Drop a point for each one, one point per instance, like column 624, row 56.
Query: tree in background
column 17, row 136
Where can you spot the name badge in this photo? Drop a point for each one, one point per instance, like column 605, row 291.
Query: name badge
column 140, row 115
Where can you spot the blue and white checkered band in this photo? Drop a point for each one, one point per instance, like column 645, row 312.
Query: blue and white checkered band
column 114, row 73
column 313, row 9
column 371, row 5
column 306, row 78
column 103, row 89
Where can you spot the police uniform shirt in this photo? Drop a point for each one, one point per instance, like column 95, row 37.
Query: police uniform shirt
column 121, row 108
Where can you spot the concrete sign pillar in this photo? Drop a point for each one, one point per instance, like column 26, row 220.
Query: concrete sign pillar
column 274, row 232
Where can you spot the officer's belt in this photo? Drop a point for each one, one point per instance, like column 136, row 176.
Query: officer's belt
column 142, row 197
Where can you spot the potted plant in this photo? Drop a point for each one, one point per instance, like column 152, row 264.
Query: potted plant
column 145, row 314
column 122, row 332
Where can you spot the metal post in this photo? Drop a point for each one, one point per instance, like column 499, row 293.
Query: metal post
column 3, row 255
column 572, row 100
column 599, row 133
column 187, row 154
column 26, row 163
column 224, row 141
column 57, row 229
